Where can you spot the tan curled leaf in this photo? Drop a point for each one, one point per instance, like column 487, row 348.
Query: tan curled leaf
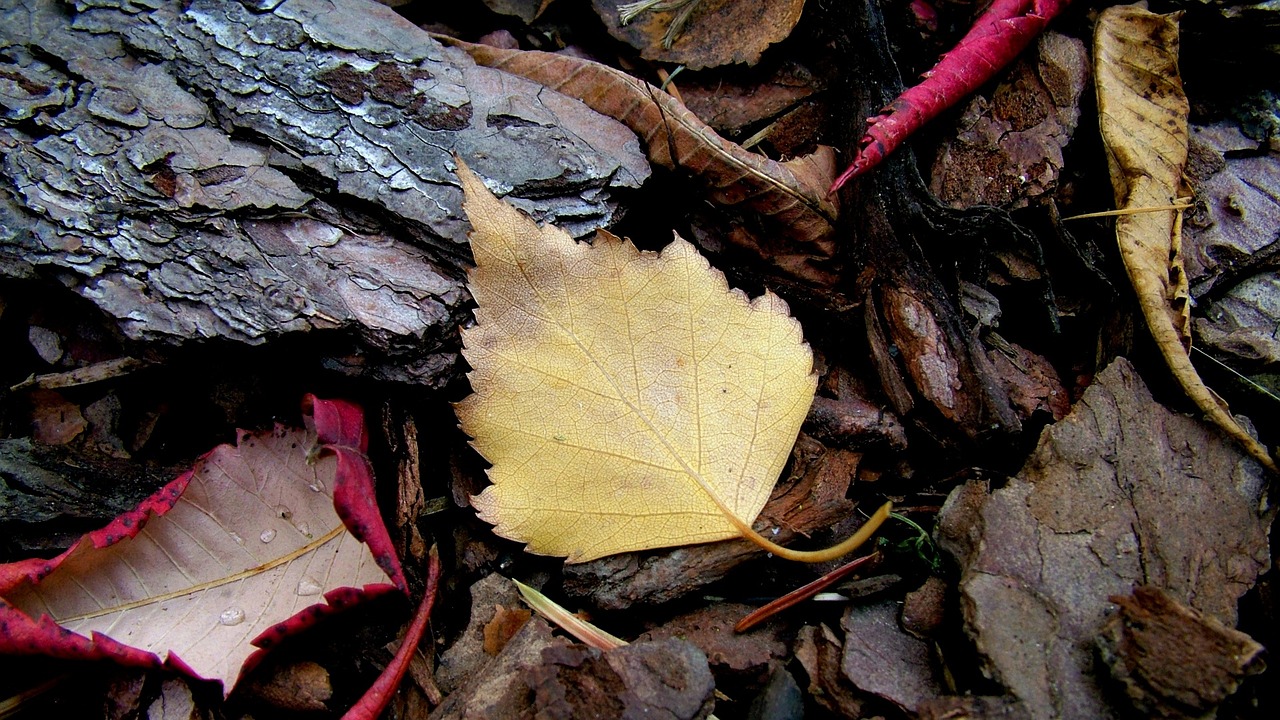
column 1143, row 114
column 253, row 540
column 626, row 400
column 791, row 196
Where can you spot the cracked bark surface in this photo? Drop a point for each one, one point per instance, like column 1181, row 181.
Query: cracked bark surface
column 1121, row 492
column 241, row 171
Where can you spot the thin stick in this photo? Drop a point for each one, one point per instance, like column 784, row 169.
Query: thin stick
column 1130, row 211
column 799, row 595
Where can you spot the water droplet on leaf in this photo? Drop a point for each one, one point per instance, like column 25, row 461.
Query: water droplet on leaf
column 267, row 535
column 308, row 586
column 231, row 616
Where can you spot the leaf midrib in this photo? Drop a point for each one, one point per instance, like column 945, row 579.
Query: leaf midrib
column 219, row 582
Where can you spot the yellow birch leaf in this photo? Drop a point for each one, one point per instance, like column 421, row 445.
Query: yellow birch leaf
column 1143, row 117
column 626, row 400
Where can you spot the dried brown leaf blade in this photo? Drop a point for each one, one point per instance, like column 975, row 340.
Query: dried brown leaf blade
column 626, row 400
column 792, row 196
column 1143, row 115
column 700, row 33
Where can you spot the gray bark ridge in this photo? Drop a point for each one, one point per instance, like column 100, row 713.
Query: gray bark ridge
column 224, row 170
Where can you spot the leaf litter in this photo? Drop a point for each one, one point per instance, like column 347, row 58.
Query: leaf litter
column 546, row 675
column 791, row 197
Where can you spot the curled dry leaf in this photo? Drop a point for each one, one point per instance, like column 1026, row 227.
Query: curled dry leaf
column 1143, row 115
column 792, row 196
column 626, row 400
column 239, row 552
column 700, row 33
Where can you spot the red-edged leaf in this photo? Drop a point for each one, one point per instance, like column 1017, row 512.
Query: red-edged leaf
column 997, row 36
column 233, row 555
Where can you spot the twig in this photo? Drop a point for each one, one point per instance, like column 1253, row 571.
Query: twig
column 799, row 595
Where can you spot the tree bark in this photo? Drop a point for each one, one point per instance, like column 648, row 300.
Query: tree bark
column 246, row 170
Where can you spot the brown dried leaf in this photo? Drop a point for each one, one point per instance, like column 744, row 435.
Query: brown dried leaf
column 505, row 624
column 1143, row 114
column 731, row 103
column 715, row 32
column 792, row 196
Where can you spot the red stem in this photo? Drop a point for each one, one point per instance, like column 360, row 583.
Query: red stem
column 799, row 595
column 996, row 38
column 375, row 699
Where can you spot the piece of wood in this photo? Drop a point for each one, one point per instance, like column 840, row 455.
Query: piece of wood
column 934, row 371
column 204, row 170
column 1174, row 661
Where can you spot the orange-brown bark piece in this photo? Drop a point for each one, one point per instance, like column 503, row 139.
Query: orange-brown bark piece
column 1174, row 661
